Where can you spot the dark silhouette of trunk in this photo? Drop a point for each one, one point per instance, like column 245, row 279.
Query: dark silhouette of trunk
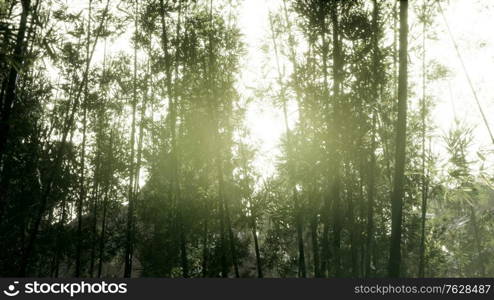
column 478, row 242
column 106, row 200
column 362, row 216
column 80, row 202
column 129, row 242
column 302, row 270
column 337, row 72
column 370, row 202
column 256, row 248
column 102, row 236
column 94, row 224
column 325, row 261
column 137, row 166
column 224, row 268
column 421, row 272
column 205, row 249
column 326, row 255
column 315, row 245
column 82, row 187
column 225, row 213
column 231, row 238
column 353, row 236
column 400, row 154
column 101, row 182
column 9, row 95
column 103, row 179
column 176, row 167
column 372, row 166
column 59, row 240
column 94, row 214
column 225, row 166
column 140, row 140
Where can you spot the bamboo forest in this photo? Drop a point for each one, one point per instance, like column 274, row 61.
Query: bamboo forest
column 246, row 138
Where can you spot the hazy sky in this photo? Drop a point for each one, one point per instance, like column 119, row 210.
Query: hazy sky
column 265, row 121
column 471, row 22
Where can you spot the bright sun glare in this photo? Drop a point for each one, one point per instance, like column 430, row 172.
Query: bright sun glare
column 264, row 121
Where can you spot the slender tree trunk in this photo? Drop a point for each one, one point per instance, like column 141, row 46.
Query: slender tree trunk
column 337, row 72
column 176, row 166
column 82, row 187
column 400, row 154
column 102, row 236
column 421, row 272
column 224, row 268
column 372, row 165
column 362, row 224
column 205, row 249
column 99, row 188
column 325, row 261
column 302, row 269
column 59, row 241
column 224, row 215
column 256, row 248
column 129, row 243
column 315, row 245
column 478, row 242
column 326, row 254
column 106, row 200
column 80, row 202
column 353, row 235
column 137, row 167
column 227, row 171
column 370, row 202
column 94, row 223
column 425, row 187
column 231, row 238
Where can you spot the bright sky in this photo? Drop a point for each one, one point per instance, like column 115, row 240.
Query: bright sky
column 265, row 122
column 471, row 23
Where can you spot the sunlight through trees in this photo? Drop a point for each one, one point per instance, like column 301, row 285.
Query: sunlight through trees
column 219, row 138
